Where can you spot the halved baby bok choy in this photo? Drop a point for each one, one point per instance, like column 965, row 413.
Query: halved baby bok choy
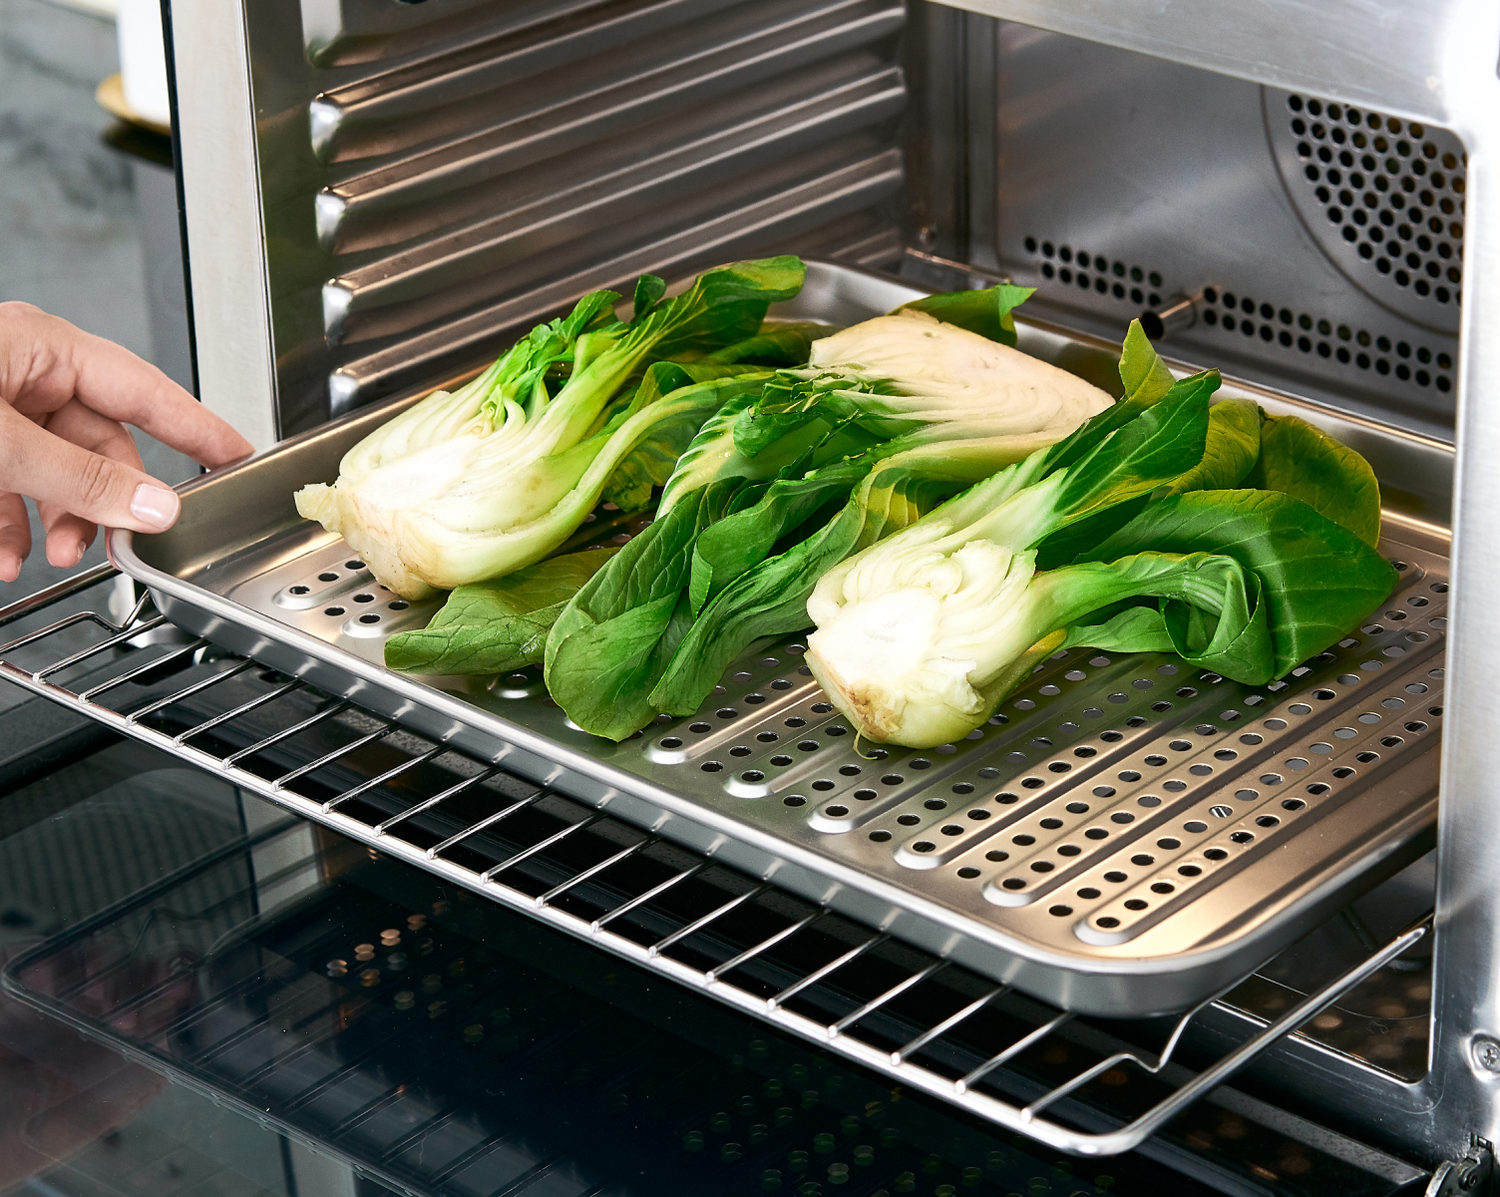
column 920, row 636
column 472, row 485
column 782, row 484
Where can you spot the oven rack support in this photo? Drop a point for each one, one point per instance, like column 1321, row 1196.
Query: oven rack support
column 120, row 652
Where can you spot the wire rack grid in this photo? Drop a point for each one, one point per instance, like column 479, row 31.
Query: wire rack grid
column 855, row 991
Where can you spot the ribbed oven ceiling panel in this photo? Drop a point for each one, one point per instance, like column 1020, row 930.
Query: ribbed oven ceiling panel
column 477, row 187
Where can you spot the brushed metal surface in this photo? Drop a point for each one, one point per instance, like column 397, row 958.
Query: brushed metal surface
column 1126, row 836
column 389, row 191
column 1398, row 54
column 1192, row 184
column 230, row 316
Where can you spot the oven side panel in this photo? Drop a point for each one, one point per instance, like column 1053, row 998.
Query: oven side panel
column 432, row 179
column 1321, row 243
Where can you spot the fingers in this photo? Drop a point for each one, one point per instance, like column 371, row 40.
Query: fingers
column 69, row 535
column 45, row 361
column 15, row 535
column 89, row 485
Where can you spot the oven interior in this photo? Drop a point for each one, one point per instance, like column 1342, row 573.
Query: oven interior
column 400, row 188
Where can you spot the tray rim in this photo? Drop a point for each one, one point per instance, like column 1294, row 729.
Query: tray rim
column 845, row 887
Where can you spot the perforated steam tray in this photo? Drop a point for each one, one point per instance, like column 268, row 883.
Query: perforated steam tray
column 1127, row 836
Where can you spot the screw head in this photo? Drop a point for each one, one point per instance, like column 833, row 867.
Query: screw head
column 1485, row 1052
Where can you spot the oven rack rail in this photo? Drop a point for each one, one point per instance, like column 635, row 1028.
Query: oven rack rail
column 113, row 657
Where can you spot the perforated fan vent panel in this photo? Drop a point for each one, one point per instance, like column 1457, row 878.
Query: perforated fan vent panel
column 1266, row 327
column 1384, row 197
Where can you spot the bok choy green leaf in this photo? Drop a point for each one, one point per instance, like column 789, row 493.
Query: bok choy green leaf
column 496, row 626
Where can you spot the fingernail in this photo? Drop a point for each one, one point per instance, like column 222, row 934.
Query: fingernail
column 83, row 547
column 154, row 505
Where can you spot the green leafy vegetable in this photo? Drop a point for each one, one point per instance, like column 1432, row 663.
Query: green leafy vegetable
column 1319, row 578
column 891, row 417
column 990, row 313
column 921, row 635
column 1233, row 447
column 1301, row 460
column 620, row 629
column 495, row 476
column 497, row 626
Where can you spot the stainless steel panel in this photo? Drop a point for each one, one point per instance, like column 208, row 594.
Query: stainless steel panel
column 795, row 219
column 1196, row 186
column 423, row 180
column 1126, row 835
column 216, row 147
column 1400, row 54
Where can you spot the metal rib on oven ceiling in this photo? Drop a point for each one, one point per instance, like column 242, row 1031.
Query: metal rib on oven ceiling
column 478, row 189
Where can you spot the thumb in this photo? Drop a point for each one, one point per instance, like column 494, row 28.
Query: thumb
column 50, row 469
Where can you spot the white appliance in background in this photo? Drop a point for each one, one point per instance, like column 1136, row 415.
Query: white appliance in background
column 143, row 60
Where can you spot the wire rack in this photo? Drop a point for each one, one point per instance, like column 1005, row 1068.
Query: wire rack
column 857, row 992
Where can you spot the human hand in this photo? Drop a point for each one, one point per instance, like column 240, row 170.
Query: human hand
column 65, row 398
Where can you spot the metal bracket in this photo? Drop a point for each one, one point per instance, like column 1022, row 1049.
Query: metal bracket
column 1468, row 1175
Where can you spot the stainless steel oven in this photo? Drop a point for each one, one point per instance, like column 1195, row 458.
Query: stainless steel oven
column 376, row 195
